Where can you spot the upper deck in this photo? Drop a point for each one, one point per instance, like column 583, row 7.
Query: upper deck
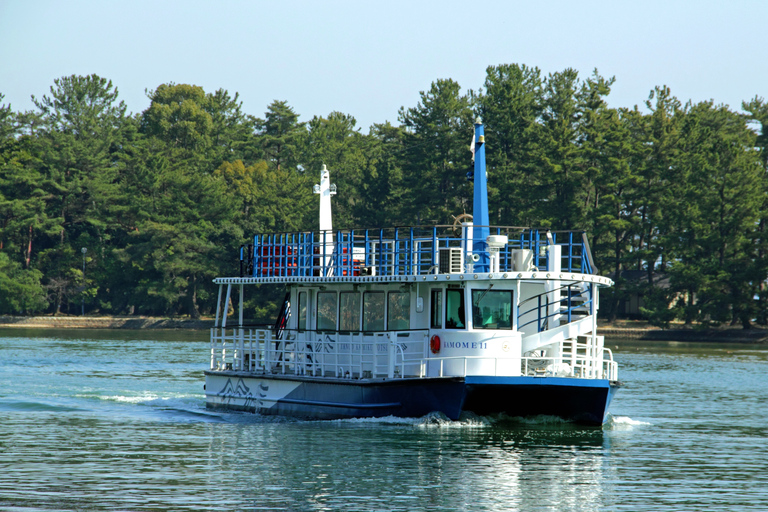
column 407, row 253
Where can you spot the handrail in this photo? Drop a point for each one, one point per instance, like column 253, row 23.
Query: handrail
column 585, row 368
column 348, row 331
column 546, row 293
column 259, row 351
column 410, row 250
column 567, row 311
column 588, row 252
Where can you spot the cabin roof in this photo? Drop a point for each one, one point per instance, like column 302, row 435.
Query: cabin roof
column 431, row 278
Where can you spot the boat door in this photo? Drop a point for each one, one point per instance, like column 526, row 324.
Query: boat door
column 303, row 301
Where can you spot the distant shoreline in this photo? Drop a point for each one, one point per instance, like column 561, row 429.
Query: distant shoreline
column 102, row 322
column 756, row 336
column 628, row 330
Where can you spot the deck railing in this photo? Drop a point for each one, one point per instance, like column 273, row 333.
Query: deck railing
column 555, row 307
column 583, row 368
column 319, row 353
column 403, row 251
column 392, row 354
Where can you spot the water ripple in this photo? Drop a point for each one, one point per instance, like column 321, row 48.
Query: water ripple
column 119, row 423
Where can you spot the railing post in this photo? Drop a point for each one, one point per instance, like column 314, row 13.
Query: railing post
column 309, row 248
column 337, row 257
column 368, row 255
column 213, row 347
column 413, row 253
column 381, row 270
column 538, row 313
column 323, row 266
column 396, row 253
column 268, row 248
column 435, row 249
column 284, row 255
column 300, row 239
column 258, row 250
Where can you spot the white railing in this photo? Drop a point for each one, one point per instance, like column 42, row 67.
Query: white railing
column 529, row 366
column 318, row 354
column 390, row 354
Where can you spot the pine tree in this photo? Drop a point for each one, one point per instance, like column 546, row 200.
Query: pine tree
column 281, row 135
column 714, row 226
column 561, row 167
column 77, row 143
column 382, row 190
column 757, row 110
column 439, row 130
column 511, row 107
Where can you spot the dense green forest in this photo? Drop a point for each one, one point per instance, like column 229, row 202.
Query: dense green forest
column 161, row 200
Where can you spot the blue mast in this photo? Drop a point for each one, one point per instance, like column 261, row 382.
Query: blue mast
column 481, row 229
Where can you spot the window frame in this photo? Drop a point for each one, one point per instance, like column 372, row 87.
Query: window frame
column 407, row 310
column 342, row 295
column 461, row 306
column 436, row 306
column 302, row 317
column 335, row 310
column 478, row 314
column 366, row 311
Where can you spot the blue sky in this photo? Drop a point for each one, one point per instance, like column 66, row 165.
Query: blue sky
column 368, row 59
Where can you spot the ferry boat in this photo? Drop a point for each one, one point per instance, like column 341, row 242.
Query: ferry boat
column 407, row 321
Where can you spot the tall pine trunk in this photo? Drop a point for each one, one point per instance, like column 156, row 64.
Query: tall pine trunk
column 194, row 311
column 28, row 256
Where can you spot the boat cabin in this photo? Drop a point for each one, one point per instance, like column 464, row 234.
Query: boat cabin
column 417, row 302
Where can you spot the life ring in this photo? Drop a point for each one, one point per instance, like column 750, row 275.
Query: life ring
column 434, row 344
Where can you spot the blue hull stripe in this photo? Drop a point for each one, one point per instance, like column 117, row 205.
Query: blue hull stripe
column 537, row 381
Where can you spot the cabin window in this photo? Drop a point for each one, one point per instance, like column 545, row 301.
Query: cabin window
column 454, row 309
column 436, row 311
column 326, row 311
column 492, row 309
column 302, row 311
column 399, row 311
column 373, row 311
column 349, row 311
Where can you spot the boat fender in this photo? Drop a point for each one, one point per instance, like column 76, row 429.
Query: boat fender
column 434, row 344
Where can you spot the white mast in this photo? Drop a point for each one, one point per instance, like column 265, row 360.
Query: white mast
column 326, row 189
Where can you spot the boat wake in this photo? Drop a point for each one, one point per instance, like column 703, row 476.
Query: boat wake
column 191, row 407
column 135, row 399
column 184, row 400
column 384, row 420
column 26, row 406
column 469, row 420
column 466, row 420
column 170, row 407
column 622, row 423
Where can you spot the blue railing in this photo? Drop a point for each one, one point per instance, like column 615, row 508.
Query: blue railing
column 574, row 302
column 398, row 251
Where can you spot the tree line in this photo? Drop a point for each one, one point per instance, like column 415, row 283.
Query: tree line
column 122, row 213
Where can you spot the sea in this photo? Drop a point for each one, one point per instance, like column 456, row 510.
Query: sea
column 116, row 420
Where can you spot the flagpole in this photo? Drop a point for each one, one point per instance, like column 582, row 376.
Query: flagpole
column 481, row 229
